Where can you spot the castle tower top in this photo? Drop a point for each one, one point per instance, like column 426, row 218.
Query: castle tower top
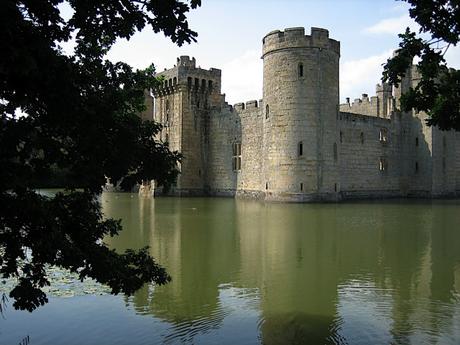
column 185, row 61
column 296, row 38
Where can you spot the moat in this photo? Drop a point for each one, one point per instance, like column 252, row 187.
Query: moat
column 246, row 272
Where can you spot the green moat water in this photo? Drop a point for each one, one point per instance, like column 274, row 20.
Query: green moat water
column 246, row 272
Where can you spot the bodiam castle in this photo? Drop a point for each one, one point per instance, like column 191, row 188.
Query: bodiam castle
column 298, row 143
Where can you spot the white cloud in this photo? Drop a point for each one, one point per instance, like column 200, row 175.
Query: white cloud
column 362, row 75
column 242, row 77
column 393, row 26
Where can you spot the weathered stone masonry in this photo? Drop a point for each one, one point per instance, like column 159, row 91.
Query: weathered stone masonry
column 299, row 143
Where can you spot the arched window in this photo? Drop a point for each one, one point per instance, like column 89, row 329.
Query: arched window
column 189, row 82
column 209, row 84
column 175, row 81
column 203, row 83
column 300, row 70
column 170, row 82
column 267, row 111
column 167, row 110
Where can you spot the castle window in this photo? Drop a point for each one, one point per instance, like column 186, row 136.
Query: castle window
column 300, row 148
column 362, row 137
column 236, row 159
column 209, row 84
column 198, row 104
column 335, row 152
column 416, row 141
column 383, row 135
column 301, row 187
column 267, row 111
column 170, row 82
column 167, row 110
column 300, row 70
column 266, row 185
column 175, row 81
column 416, row 167
column 203, row 83
column 189, row 82
column 383, row 164
column 167, row 139
column 197, row 82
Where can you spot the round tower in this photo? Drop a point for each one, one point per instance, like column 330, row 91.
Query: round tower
column 301, row 98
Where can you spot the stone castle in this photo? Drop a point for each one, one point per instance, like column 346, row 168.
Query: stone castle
column 298, row 143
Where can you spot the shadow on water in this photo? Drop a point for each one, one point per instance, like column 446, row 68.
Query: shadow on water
column 379, row 272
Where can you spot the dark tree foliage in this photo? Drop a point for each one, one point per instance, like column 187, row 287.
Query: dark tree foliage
column 438, row 93
column 81, row 118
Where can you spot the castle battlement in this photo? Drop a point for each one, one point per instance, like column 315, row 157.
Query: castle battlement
column 381, row 105
column 296, row 38
column 186, row 75
column 249, row 105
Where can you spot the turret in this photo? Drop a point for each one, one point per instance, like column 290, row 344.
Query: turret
column 182, row 105
column 301, row 97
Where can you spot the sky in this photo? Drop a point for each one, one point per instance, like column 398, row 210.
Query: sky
column 230, row 38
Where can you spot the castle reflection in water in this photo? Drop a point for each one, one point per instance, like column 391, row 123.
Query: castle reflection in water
column 388, row 272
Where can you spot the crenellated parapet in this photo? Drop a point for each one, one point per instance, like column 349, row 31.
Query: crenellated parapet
column 296, row 38
column 381, row 105
column 249, row 105
column 186, row 76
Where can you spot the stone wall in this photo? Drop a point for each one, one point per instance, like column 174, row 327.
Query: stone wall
column 225, row 127
column 239, row 124
column 444, row 163
column 361, row 149
column 249, row 179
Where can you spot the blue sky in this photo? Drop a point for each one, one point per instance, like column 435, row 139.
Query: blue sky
column 230, row 37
